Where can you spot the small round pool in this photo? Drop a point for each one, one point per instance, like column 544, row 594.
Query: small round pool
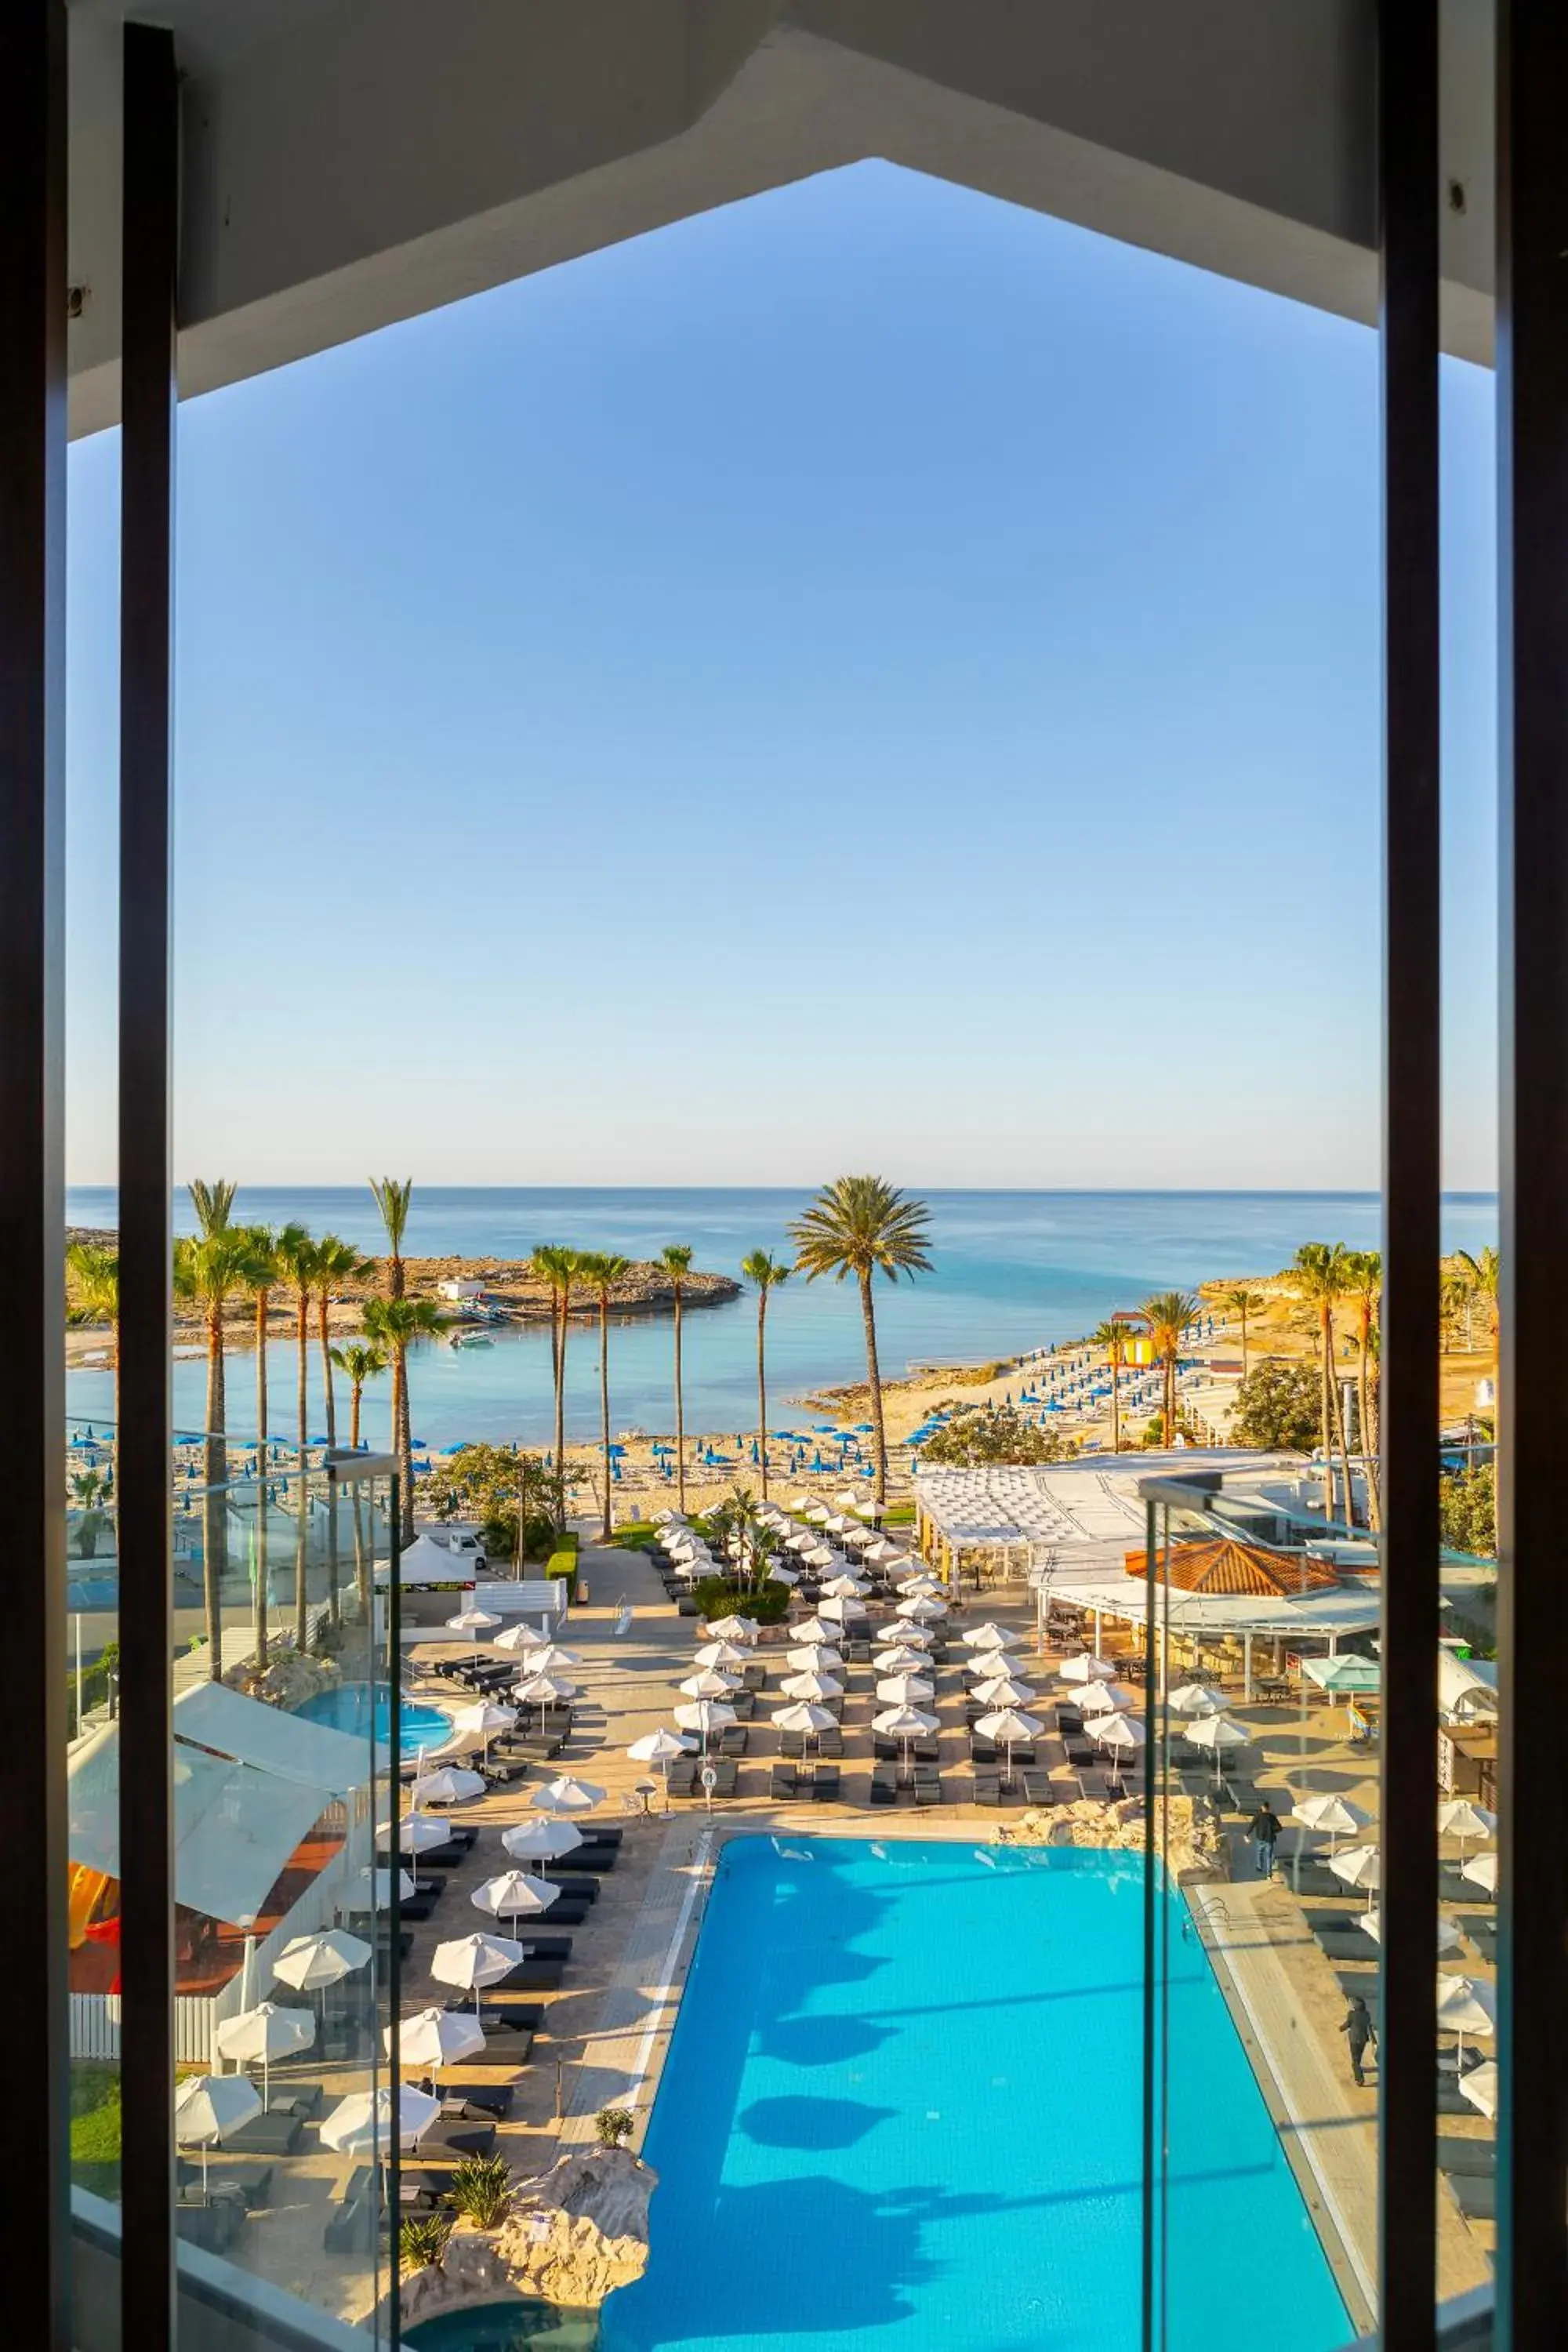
column 506, row 2328
column 347, row 1707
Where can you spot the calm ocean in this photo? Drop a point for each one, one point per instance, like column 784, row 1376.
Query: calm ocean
column 1011, row 1270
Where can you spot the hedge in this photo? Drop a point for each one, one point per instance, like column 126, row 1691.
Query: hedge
column 563, row 1562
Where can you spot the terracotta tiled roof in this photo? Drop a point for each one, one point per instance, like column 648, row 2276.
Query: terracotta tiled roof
column 1221, row 1565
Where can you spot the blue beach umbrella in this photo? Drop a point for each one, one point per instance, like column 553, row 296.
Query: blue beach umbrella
column 461, row 1447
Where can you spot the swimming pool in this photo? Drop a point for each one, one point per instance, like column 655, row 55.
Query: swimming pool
column 347, row 1707
column 903, row 2095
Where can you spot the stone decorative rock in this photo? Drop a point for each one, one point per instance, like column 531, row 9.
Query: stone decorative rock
column 571, row 2236
column 288, row 1681
column 1193, row 1830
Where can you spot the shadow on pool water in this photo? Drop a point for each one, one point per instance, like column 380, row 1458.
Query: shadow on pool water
column 506, row 2328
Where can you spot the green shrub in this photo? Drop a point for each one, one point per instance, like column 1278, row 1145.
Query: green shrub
column 638, row 1534
column 563, row 1562
column 422, row 2241
column 899, row 1514
column 1278, row 1406
column 614, row 2125
column 716, row 1597
column 95, row 2128
column 1467, row 1510
column 481, row 2190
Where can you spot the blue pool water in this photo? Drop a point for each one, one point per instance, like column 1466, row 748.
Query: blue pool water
column 902, row 2104
column 348, row 1709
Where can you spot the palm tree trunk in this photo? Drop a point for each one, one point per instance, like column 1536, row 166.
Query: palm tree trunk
column 874, row 1379
column 362, row 1580
column 561, row 1415
column 260, row 1599
column 1326, row 1347
column 1368, row 1450
column 1244, row 1343
column 1115, row 1408
column 1344, row 1454
column 302, row 1498
column 608, row 1528
column 763, row 1387
column 324, row 1335
column 394, row 1273
column 404, row 1444
column 681, row 1416
column 214, row 1524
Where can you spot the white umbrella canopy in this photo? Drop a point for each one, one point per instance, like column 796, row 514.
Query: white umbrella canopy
column 1458, row 1818
column 708, row 1683
column 1216, row 1731
column 513, row 1894
column 812, row 1684
column 1007, row 1724
column 1001, row 1690
column 801, row 1716
column 313, row 1962
column 1194, row 1698
column 545, row 1690
column 660, row 1746
column 903, row 1690
column 849, row 1500
column 1123, row 1731
column 379, row 1881
column 838, row 1524
column 541, row 1840
column 908, row 1633
column 1358, row 1865
column 472, row 1620
column 818, row 1513
column 1087, row 1668
column 1341, row 1816
column 520, row 1637
column 846, row 1588
column 814, row 1633
column 800, row 1502
column 471, row 1961
column 779, row 1574
column 820, row 1556
column 904, row 1659
column 706, row 1715
column 482, row 1721
column 1369, row 1922
column 207, row 2107
column 417, row 1832
column 449, row 1785
column 1481, row 2087
column 365, row 2122
column 1105, row 1698
column 803, row 1540
column 435, row 2038
column 568, row 1795
column 840, row 1611
column 992, row 1637
column 925, row 1583
column 923, row 1610
column 266, row 2032
column 553, row 1659
column 881, row 1551
column 816, row 1658
column 870, row 1510
column 735, row 1629
column 723, row 1654
column 1481, row 1870
column 904, row 1723
column 1464, row 2005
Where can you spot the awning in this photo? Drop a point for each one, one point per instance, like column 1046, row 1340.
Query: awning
column 288, row 1746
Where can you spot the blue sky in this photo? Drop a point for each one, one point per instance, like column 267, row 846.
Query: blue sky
column 871, row 676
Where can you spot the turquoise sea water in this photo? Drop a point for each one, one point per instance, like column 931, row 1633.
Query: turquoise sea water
column 347, row 1709
column 1011, row 1270
column 902, row 2107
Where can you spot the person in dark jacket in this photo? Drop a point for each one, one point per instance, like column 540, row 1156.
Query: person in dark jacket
column 1358, row 2029
column 1266, row 1829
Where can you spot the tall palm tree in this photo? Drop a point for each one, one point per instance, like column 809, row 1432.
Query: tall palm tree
column 1244, row 1303
column 601, row 1272
column 559, row 1266
column 336, row 1261
column 1479, row 1276
column 94, row 1287
column 766, row 1272
column 360, row 1360
column 296, row 1255
column 856, row 1225
column 212, row 1203
column 676, row 1260
column 209, row 1271
column 1363, row 1284
column 261, row 1276
column 1321, row 1269
column 391, row 1198
column 1112, row 1335
column 1168, row 1314
column 395, row 1323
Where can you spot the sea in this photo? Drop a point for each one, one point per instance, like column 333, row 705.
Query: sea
column 1009, row 1271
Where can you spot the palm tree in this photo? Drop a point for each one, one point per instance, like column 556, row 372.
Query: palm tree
column 391, row 1198
column 1168, row 1314
column 1242, row 1303
column 360, row 1360
column 395, row 1323
column 94, row 1274
column 560, row 1267
column 766, row 1272
column 212, row 1203
column 1363, row 1283
column 1322, row 1278
column 209, row 1271
column 336, row 1261
column 1479, row 1276
column 262, row 1273
column 602, row 1272
column 1112, row 1335
column 855, row 1225
column 296, row 1255
column 676, row 1260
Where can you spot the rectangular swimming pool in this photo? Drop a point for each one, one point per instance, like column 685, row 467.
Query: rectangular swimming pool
column 902, row 2103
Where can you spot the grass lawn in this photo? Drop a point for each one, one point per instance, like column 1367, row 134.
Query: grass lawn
column 95, row 2128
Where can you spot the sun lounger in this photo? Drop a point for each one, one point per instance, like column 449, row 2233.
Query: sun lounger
column 1474, row 2157
column 824, row 1784
column 884, row 1786
column 1475, row 2196
column 477, row 2101
column 783, row 1784
column 421, row 2192
column 1346, row 1943
column 214, row 2226
column 987, row 1789
column 268, row 2134
column 573, row 1888
column 457, row 2140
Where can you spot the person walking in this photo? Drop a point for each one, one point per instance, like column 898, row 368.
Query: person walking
column 1265, row 1830
column 1358, row 2029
